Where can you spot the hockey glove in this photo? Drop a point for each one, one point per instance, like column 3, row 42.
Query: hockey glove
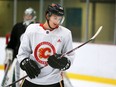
column 30, row 67
column 8, row 58
column 59, row 63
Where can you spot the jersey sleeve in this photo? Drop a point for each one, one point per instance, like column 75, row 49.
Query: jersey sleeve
column 25, row 47
column 13, row 38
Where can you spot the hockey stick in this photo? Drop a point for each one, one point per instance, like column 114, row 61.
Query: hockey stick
column 66, row 78
column 98, row 31
column 6, row 72
column 16, row 81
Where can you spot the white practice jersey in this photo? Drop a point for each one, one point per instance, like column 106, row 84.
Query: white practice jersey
column 38, row 44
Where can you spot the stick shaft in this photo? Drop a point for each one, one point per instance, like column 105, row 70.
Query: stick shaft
column 76, row 48
column 98, row 31
column 16, row 81
column 20, row 79
column 6, row 72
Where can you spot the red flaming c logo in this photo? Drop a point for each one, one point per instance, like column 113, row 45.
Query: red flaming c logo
column 42, row 51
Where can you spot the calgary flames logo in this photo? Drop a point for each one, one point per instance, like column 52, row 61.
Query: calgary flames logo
column 42, row 51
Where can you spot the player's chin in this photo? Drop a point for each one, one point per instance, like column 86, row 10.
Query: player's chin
column 54, row 26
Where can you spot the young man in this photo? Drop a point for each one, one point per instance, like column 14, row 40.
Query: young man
column 15, row 37
column 42, row 46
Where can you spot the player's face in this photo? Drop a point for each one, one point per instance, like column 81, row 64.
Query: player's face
column 55, row 20
column 27, row 17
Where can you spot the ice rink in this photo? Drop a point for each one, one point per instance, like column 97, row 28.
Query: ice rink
column 75, row 83
column 97, row 70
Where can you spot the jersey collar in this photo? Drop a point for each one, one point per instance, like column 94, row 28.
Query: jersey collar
column 45, row 28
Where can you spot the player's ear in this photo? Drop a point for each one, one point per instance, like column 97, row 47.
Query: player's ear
column 47, row 16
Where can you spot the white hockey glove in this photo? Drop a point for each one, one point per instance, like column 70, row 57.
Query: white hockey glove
column 9, row 55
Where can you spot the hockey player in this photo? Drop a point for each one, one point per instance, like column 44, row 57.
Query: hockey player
column 41, row 46
column 19, row 29
column 16, row 35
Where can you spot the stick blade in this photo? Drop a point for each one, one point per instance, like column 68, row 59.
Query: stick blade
column 98, row 31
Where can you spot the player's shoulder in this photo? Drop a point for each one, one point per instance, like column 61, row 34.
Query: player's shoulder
column 19, row 24
column 64, row 29
column 32, row 27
